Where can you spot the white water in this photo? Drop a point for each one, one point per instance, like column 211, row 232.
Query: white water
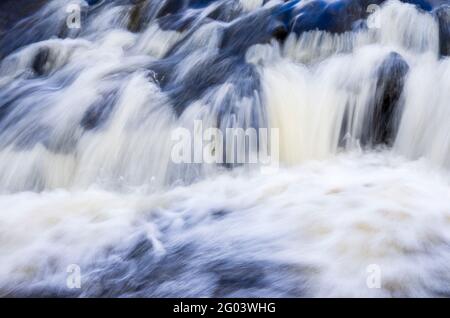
column 86, row 197
column 326, row 221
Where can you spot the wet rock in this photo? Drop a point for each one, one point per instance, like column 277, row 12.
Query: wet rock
column 226, row 66
column 334, row 17
column 219, row 214
column 134, row 24
column 422, row 4
column 42, row 61
column 176, row 22
column 146, row 275
column 207, row 75
column 100, row 112
column 136, row 15
column 5, row 107
column 44, row 26
column 442, row 14
column 93, row 2
column 241, row 34
column 226, row 12
column 175, row 6
column 234, row 276
column 142, row 247
column 40, row 291
column 382, row 122
column 172, row 16
column 171, row 7
column 12, row 11
column 186, row 270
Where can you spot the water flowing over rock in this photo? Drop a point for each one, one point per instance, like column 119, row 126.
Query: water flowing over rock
column 356, row 91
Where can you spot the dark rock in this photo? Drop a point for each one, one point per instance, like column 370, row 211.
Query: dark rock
column 42, row 61
column 422, row 4
column 236, row 276
column 137, row 272
column 93, row 2
column 242, row 33
column 208, row 74
column 135, row 22
column 218, row 214
column 226, row 12
column 227, row 65
column 442, row 14
column 100, row 112
column 176, row 22
column 334, row 17
column 5, row 107
column 171, row 7
column 43, row 25
column 142, row 247
column 172, row 16
column 175, row 6
column 382, row 123
column 12, row 11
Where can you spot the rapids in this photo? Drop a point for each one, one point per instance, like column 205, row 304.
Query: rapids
column 358, row 91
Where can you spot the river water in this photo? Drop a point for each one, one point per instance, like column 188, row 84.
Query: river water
column 358, row 206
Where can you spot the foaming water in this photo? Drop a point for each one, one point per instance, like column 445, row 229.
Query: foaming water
column 308, row 231
column 362, row 109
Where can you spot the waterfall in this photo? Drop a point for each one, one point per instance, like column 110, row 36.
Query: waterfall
column 99, row 104
column 91, row 93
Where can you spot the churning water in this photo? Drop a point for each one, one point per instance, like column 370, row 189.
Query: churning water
column 360, row 94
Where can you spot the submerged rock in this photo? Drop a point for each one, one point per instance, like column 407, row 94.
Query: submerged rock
column 99, row 112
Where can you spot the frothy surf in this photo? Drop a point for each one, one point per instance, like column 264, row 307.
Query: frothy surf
column 361, row 101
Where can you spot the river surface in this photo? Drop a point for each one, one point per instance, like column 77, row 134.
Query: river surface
column 92, row 203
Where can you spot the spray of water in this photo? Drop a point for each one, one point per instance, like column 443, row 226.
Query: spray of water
column 361, row 104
